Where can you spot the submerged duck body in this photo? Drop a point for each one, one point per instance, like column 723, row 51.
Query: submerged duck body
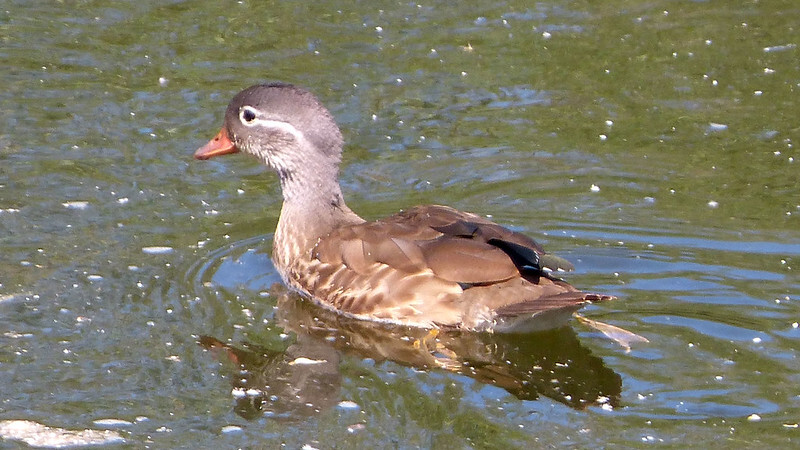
column 429, row 266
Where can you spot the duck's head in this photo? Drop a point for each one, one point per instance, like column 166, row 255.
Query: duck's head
column 282, row 125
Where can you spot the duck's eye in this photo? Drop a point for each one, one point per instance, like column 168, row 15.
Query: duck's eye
column 248, row 115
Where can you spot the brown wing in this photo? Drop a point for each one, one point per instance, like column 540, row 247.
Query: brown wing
column 439, row 265
column 523, row 250
column 455, row 246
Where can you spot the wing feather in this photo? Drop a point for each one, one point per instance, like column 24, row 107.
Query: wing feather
column 467, row 261
column 441, row 266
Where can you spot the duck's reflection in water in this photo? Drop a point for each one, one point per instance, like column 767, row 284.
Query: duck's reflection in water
column 303, row 378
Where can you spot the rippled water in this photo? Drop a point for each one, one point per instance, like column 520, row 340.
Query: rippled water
column 653, row 145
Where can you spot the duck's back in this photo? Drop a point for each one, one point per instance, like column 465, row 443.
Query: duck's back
column 434, row 266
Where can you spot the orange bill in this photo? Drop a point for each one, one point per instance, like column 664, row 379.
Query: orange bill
column 220, row 145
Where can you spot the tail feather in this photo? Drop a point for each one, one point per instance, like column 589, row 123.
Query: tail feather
column 564, row 300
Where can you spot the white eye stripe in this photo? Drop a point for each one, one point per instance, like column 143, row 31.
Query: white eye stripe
column 277, row 125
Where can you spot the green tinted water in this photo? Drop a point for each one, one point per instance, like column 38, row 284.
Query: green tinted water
column 118, row 252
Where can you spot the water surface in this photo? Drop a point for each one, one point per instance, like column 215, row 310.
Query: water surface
column 652, row 144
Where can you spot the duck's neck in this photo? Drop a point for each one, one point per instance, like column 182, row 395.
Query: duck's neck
column 313, row 206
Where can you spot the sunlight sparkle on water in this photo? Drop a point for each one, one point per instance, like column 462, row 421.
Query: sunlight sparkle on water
column 38, row 435
column 157, row 250
column 80, row 205
column 111, row 423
